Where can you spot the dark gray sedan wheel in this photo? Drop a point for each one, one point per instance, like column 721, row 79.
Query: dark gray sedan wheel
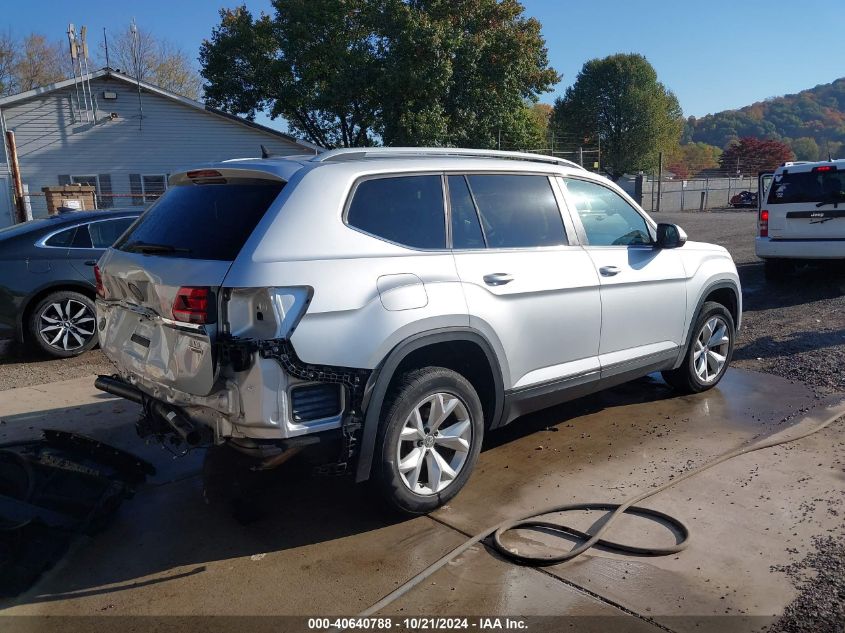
column 63, row 324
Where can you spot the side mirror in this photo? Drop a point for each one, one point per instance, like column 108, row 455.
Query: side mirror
column 670, row 236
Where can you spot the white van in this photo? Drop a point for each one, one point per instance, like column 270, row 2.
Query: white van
column 801, row 214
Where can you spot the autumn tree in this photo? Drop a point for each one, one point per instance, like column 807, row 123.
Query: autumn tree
column 619, row 102
column 153, row 60
column 751, row 155
column 30, row 63
column 689, row 159
column 359, row 72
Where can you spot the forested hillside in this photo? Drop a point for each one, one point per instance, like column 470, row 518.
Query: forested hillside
column 812, row 122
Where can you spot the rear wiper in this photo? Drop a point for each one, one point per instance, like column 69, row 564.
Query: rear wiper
column 144, row 247
column 834, row 202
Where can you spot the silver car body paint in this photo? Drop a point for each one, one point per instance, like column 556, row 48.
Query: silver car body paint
column 354, row 297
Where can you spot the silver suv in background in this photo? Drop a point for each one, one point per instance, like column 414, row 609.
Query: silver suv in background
column 801, row 215
column 396, row 304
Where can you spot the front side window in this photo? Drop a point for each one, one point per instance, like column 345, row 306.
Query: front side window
column 607, row 217
column 517, row 211
column 105, row 233
column 407, row 210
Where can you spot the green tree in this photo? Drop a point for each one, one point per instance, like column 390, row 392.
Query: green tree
column 619, row 102
column 401, row 72
column 805, row 148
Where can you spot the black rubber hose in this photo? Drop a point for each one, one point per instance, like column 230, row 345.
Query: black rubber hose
column 615, row 511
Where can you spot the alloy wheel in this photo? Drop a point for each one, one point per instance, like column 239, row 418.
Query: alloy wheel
column 711, row 349
column 67, row 324
column 434, row 443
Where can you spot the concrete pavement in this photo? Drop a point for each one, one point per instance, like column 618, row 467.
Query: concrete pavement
column 325, row 548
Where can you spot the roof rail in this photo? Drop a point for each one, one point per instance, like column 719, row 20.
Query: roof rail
column 352, row 153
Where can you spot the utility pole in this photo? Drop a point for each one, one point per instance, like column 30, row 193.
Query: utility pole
column 659, row 179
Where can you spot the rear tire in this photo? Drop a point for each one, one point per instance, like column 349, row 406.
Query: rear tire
column 709, row 351
column 777, row 269
column 63, row 324
column 428, row 441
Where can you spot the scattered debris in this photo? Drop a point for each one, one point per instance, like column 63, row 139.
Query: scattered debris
column 53, row 489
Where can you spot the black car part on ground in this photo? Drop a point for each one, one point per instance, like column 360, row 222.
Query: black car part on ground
column 53, row 489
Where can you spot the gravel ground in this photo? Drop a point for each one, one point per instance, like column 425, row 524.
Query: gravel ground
column 795, row 329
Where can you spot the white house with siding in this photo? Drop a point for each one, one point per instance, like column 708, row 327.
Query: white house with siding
column 137, row 137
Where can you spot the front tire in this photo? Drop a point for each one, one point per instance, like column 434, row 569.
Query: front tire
column 429, row 439
column 709, row 352
column 63, row 324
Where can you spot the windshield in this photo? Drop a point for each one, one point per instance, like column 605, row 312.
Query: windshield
column 202, row 221
column 807, row 186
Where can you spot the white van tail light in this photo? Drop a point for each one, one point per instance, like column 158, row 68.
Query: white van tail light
column 763, row 223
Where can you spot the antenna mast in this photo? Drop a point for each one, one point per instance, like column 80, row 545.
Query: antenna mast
column 84, row 58
column 71, row 38
column 136, row 58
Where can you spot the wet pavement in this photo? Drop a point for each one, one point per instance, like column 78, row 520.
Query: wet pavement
column 322, row 546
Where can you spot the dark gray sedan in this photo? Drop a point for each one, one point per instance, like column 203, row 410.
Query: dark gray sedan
column 47, row 278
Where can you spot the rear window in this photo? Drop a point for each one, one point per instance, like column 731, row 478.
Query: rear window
column 406, row 210
column 202, row 221
column 808, row 186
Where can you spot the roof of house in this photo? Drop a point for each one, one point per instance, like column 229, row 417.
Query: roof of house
column 110, row 73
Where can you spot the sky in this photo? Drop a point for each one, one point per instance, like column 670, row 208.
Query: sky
column 714, row 55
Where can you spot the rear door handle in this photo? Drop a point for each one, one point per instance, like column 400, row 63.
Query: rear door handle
column 91, row 262
column 497, row 279
column 609, row 271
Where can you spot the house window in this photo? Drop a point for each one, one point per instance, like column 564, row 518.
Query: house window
column 101, row 184
column 147, row 188
column 153, row 186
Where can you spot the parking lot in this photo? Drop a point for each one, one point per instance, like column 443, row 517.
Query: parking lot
column 767, row 528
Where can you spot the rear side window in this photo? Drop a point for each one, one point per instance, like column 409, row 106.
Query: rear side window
column 106, row 232
column 203, row 221
column 62, row 239
column 407, row 210
column 517, row 211
column 76, row 237
column 808, row 186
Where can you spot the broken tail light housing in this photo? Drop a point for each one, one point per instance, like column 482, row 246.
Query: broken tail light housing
column 99, row 288
column 193, row 305
column 763, row 223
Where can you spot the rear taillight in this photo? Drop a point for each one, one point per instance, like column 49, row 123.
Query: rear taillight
column 763, row 224
column 98, row 283
column 192, row 305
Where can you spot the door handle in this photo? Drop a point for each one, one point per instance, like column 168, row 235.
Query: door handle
column 497, row 279
column 609, row 271
column 91, row 262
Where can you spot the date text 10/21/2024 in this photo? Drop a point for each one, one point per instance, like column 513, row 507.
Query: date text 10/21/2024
column 417, row 624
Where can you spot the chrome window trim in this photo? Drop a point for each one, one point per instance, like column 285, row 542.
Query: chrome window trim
column 41, row 243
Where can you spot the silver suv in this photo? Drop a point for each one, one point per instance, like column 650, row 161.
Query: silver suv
column 393, row 305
